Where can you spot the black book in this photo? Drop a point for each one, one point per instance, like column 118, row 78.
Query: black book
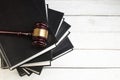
column 37, row 69
column 54, row 20
column 62, row 33
column 57, row 51
column 23, row 72
column 62, row 48
column 3, row 64
column 62, row 30
column 21, row 15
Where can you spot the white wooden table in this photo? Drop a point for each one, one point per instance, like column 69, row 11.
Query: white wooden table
column 95, row 34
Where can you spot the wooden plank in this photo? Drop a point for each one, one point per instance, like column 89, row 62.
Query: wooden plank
column 86, row 7
column 95, row 40
column 63, row 74
column 94, row 24
column 84, row 59
column 76, row 74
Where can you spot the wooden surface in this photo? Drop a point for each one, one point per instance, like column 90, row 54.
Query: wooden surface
column 95, row 34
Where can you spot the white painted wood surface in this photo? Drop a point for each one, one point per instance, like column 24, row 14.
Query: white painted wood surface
column 95, row 34
column 86, row 7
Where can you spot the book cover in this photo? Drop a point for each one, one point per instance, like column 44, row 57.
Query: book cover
column 37, row 69
column 54, row 24
column 58, row 51
column 62, row 33
column 23, row 19
column 62, row 48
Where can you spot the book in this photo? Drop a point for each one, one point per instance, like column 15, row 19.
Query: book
column 55, row 19
column 62, row 30
column 23, row 14
column 57, row 51
column 22, row 72
column 62, row 48
column 37, row 69
column 53, row 23
column 59, row 16
column 62, row 33
column 3, row 64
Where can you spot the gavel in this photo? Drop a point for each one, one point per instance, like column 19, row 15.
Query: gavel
column 39, row 34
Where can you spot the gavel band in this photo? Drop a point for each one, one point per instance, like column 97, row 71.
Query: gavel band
column 40, row 32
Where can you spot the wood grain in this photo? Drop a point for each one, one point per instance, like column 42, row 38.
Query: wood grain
column 83, row 59
column 93, row 24
column 86, row 7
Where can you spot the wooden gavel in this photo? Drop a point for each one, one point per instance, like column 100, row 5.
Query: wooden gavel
column 39, row 34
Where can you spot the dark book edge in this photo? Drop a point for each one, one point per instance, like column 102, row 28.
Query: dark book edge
column 3, row 64
column 63, row 48
column 59, row 26
column 21, row 72
column 2, row 52
column 26, row 71
column 36, row 70
column 62, row 30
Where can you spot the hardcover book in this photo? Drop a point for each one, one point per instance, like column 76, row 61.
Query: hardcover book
column 53, row 23
column 22, row 71
column 62, row 48
column 21, row 15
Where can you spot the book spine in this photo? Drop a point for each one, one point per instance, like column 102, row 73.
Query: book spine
column 3, row 55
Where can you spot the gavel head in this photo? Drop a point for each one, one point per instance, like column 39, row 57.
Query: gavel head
column 40, row 34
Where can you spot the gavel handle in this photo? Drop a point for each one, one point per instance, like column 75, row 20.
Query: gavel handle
column 15, row 33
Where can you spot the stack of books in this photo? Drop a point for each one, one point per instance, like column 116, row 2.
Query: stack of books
column 17, row 52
